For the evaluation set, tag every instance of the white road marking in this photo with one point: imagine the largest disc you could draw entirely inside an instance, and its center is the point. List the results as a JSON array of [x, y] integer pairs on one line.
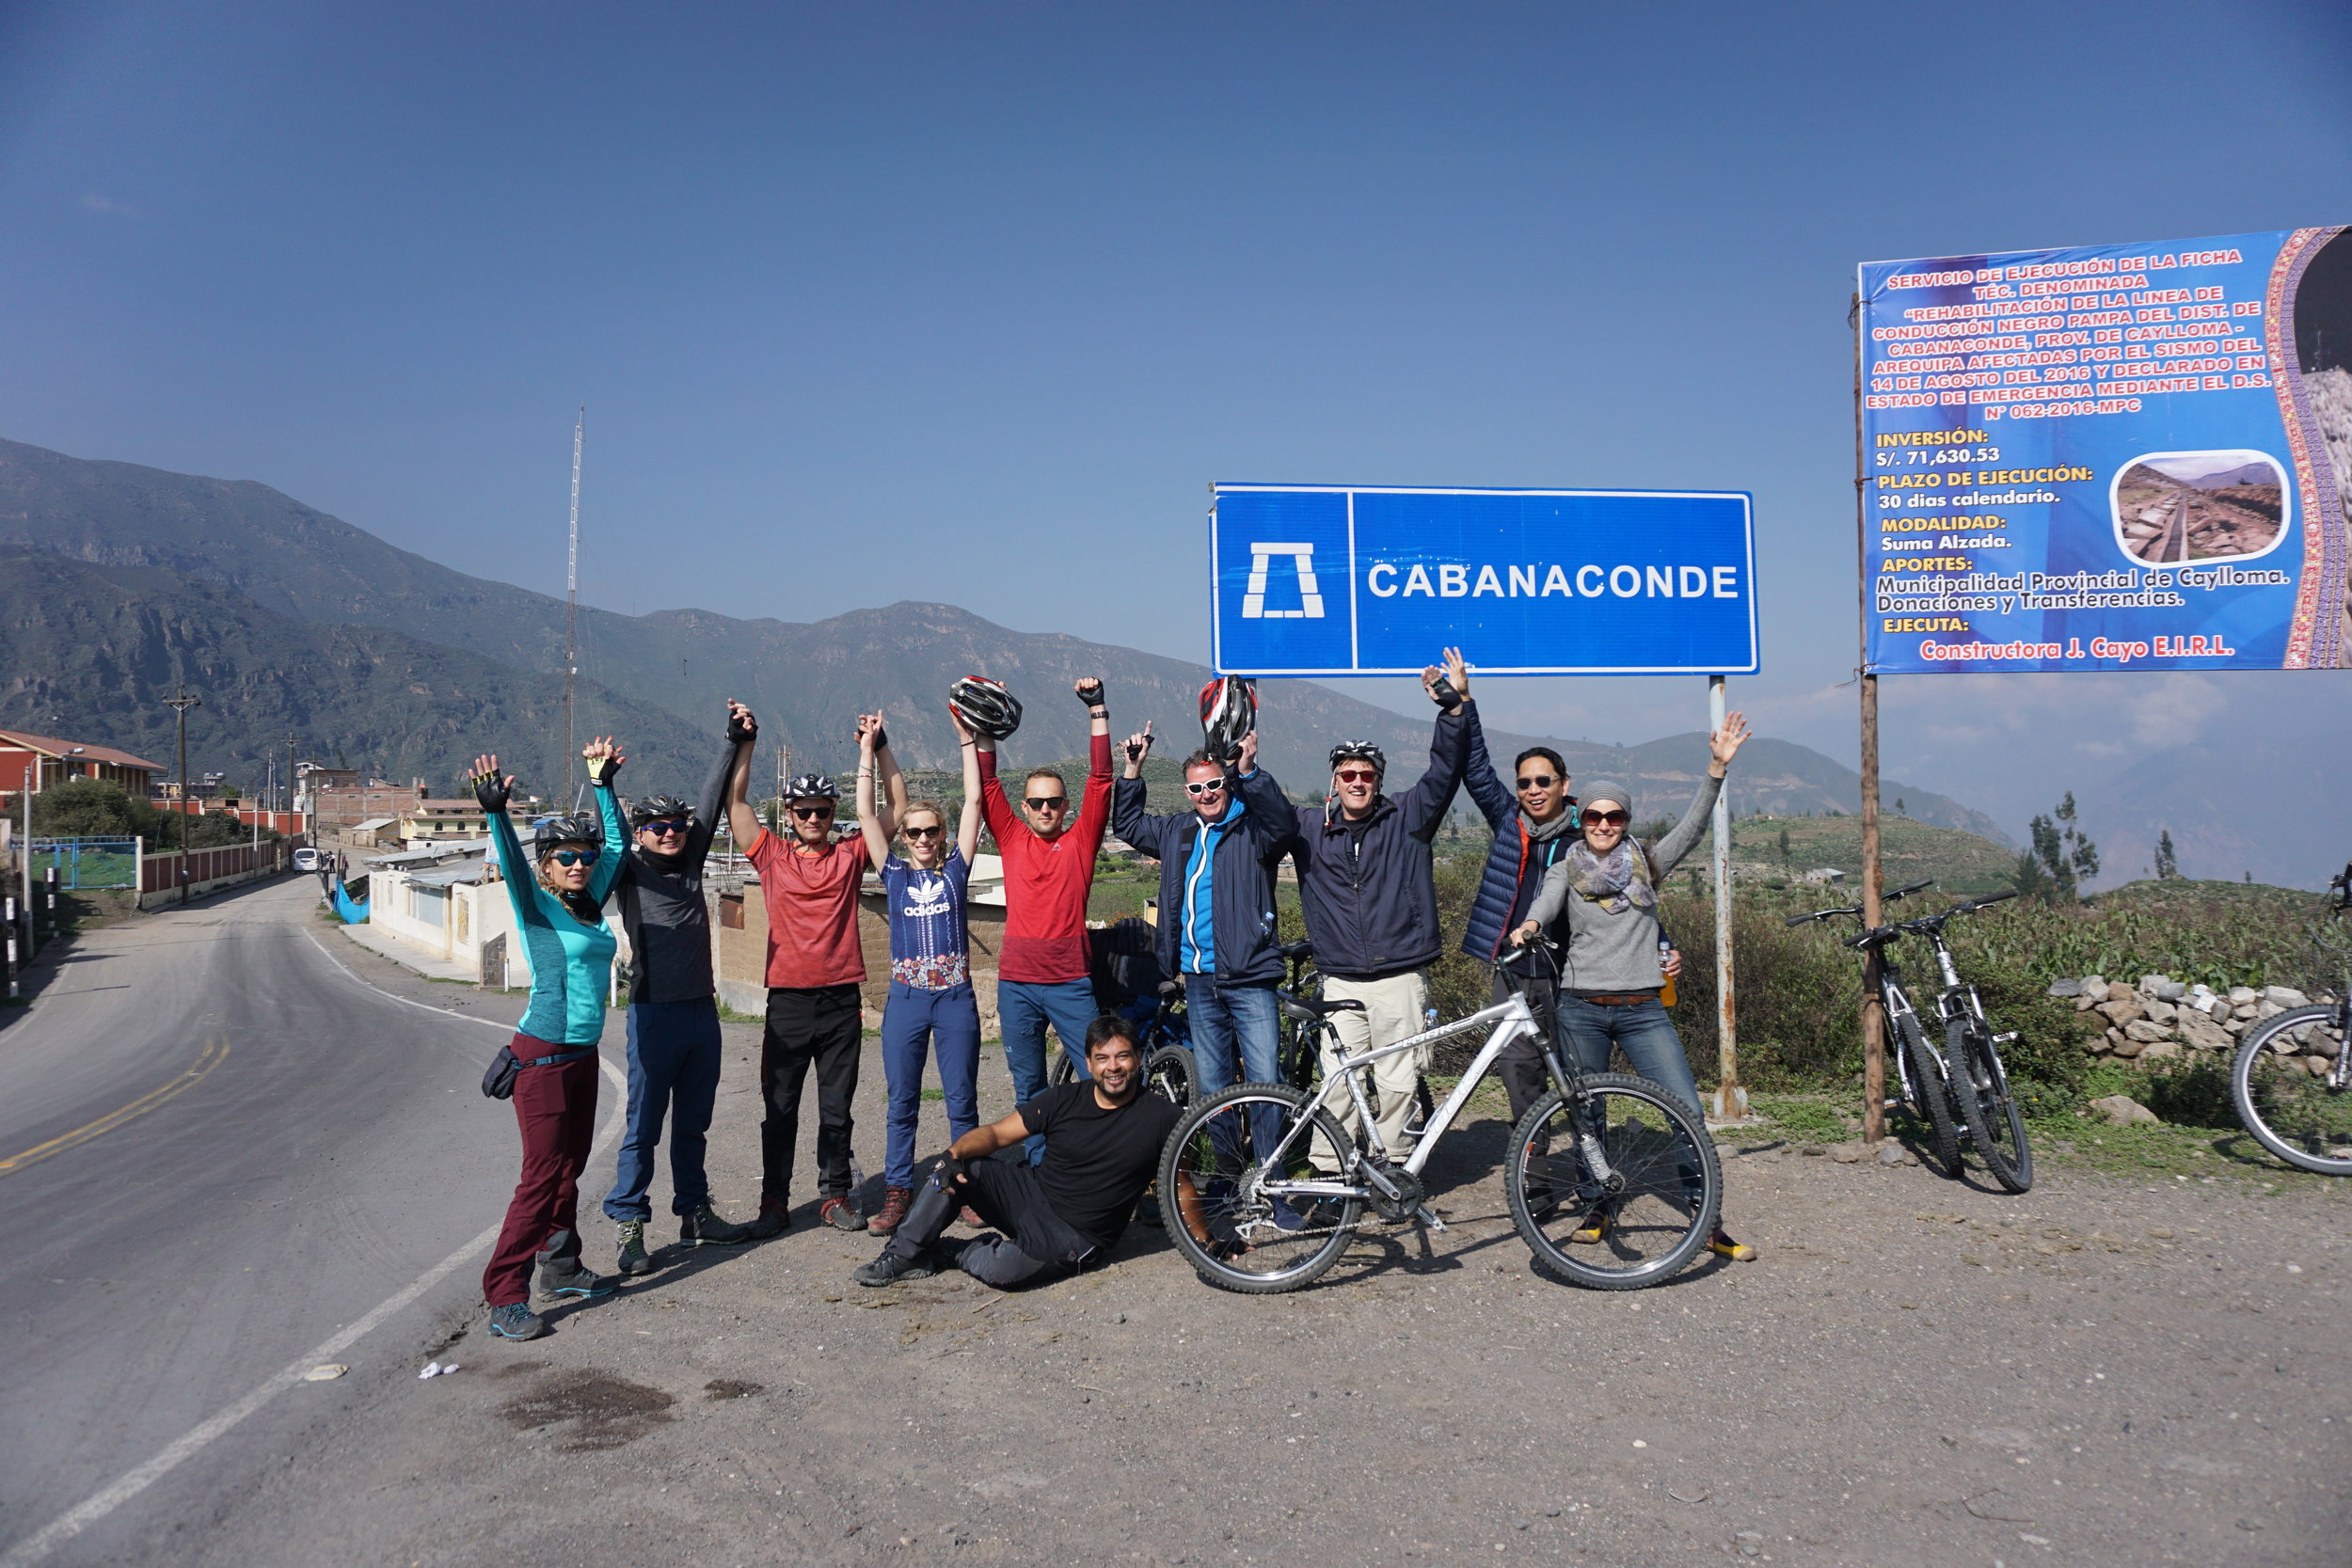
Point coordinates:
[[36, 1547]]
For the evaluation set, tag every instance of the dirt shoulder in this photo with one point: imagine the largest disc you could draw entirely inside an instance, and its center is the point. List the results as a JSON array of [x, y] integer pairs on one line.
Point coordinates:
[[1913, 1372]]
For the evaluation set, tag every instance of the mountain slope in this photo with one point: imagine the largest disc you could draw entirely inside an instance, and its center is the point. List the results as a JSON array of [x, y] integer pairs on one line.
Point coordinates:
[[300, 566], [89, 651]]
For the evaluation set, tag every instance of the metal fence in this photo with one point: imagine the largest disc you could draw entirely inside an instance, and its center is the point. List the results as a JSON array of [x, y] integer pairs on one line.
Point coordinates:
[[87, 863]]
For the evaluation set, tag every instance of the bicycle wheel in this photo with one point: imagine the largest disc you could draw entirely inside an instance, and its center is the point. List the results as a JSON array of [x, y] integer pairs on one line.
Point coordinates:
[[1980, 1087], [1930, 1094], [1290, 1240], [1167, 1072], [1063, 1070], [1620, 1155], [2304, 1117]]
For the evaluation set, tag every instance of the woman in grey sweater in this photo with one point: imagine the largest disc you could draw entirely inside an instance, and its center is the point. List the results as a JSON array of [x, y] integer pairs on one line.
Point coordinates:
[[1607, 886]]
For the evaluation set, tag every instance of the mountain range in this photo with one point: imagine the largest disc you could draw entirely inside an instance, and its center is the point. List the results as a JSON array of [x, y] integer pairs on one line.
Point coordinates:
[[120, 582]]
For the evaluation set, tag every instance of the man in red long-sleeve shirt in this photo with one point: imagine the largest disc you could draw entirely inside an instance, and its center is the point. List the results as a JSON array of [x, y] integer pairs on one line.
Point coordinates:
[[1049, 870]]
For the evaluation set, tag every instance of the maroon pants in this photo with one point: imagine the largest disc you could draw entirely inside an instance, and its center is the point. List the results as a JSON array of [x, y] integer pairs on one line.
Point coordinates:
[[556, 1108]]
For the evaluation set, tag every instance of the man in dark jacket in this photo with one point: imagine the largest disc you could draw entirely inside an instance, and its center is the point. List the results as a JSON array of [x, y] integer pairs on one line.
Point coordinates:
[[1216, 903], [1370, 896], [673, 1015]]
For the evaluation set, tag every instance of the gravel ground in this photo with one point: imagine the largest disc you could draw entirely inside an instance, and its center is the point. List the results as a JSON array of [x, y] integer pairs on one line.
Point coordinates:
[[1915, 1371]]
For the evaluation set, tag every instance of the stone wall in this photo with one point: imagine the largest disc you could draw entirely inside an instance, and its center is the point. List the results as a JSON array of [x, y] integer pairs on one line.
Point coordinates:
[[2160, 1018]]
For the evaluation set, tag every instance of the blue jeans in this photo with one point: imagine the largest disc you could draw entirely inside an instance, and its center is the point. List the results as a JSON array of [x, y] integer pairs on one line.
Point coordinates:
[[1231, 1020], [1643, 1030], [912, 1022], [673, 1065], [1024, 1008]]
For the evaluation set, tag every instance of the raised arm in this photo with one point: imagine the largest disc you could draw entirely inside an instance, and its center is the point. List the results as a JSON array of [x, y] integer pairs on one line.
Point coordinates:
[[713, 802], [1094, 810], [491, 790], [1424, 806], [875, 825], [741, 820], [994, 809], [1493, 798], [604, 760], [968, 827], [1722, 746]]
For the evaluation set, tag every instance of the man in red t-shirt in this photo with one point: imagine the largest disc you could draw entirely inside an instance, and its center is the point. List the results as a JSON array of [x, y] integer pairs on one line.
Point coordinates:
[[1049, 870], [815, 966]]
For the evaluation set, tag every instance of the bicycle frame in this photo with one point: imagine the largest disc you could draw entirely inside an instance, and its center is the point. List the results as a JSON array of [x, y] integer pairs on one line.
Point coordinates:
[[1512, 1020]]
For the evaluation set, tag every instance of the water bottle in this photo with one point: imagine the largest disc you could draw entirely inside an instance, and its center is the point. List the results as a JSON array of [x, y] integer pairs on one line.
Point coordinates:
[[1666, 991]]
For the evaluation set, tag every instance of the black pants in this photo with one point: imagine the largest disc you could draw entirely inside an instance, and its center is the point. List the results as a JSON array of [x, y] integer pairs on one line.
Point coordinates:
[[1004, 1191], [1525, 1078], [819, 1024]]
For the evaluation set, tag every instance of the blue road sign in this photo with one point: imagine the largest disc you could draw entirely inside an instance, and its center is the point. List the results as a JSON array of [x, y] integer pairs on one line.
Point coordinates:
[[1335, 580]]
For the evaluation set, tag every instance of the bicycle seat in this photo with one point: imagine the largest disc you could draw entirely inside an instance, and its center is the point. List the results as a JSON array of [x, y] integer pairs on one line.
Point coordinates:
[[1303, 1009], [1297, 952], [1172, 988]]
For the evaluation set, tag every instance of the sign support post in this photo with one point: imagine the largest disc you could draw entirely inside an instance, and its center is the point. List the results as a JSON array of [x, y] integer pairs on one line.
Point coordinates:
[[1873, 1015], [1731, 1099]]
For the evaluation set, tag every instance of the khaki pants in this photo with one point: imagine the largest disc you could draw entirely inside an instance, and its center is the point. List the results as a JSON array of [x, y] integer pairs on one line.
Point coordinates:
[[1394, 1009]]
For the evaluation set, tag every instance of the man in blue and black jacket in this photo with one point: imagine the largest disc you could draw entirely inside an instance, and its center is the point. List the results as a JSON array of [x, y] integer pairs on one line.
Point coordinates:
[[1217, 925], [1368, 889]]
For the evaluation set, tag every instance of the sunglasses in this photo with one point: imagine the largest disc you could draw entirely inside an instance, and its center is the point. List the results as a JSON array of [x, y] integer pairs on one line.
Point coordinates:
[[812, 813], [1047, 802], [1208, 787], [927, 832], [576, 857], [1607, 818], [667, 825], [1357, 775], [1538, 781]]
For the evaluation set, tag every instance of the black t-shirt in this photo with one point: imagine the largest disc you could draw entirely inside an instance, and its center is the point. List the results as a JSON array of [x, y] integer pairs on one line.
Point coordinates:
[[1097, 1162]]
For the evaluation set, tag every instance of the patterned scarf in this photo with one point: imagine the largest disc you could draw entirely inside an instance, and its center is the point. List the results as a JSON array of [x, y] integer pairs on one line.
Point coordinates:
[[1617, 882]]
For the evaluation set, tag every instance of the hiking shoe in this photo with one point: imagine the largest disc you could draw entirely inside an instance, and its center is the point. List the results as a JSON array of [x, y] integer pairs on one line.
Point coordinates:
[[841, 1214], [890, 1268], [895, 1201], [1148, 1209], [517, 1321], [775, 1218], [634, 1259], [560, 1278], [704, 1227], [1593, 1229], [1722, 1245]]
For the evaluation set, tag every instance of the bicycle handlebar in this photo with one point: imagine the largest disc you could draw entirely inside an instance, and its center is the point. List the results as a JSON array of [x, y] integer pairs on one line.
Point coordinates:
[[1856, 910]]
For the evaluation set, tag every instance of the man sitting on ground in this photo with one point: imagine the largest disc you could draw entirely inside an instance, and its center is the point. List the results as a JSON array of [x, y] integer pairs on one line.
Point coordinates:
[[1102, 1136]]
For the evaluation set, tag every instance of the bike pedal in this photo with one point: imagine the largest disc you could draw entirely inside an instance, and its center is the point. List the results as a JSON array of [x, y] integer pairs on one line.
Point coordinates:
[[2004, 1040]]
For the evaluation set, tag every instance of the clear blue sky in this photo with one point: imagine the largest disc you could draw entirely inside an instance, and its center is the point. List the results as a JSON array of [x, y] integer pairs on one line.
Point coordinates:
[[972, 302]]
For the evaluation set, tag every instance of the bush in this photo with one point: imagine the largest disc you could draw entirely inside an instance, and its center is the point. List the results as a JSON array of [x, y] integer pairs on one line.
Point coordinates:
[[2191, 1092], [2039, 1101], [89, 808]]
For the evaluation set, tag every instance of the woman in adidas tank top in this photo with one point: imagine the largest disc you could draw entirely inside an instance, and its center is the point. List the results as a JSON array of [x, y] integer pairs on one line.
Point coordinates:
[[931, 1004]]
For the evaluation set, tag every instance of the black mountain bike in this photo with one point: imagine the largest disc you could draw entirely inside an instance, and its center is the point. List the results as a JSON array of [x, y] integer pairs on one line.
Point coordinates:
[[1961, 1092], [2291, 1072], [1167, 1046]]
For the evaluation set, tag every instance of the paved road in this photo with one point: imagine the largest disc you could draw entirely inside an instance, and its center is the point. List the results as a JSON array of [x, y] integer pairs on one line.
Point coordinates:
[[217, 1147]]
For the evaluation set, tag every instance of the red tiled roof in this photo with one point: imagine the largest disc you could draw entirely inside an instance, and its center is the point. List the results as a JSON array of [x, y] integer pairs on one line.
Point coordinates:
[[56, 748]]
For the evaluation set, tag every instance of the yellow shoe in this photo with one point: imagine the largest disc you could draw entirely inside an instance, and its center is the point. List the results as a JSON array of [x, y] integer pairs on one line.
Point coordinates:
[[1591, 1232], [1722, 1245]]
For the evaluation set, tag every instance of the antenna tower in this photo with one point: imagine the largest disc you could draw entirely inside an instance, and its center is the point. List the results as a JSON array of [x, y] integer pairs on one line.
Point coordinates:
[[571, 601]]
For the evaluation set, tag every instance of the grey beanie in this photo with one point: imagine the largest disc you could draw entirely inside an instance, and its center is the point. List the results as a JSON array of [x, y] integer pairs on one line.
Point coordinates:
[[1606, 789]]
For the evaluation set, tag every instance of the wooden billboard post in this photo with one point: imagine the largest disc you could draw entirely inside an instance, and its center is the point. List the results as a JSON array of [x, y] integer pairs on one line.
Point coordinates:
[[1873, 1016]]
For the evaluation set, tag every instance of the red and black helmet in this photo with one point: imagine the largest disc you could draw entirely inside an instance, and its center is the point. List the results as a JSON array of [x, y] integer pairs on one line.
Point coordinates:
[[1229, 710]]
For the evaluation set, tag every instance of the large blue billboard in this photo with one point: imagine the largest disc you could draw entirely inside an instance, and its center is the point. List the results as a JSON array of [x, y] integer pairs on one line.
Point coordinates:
[[1348, 580], [2110, 457]]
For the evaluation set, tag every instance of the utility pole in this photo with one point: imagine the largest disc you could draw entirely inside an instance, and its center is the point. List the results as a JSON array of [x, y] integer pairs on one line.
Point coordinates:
[[1873, 1014], [292, 739], [180, 706], [571, 600], [1731, 1099]]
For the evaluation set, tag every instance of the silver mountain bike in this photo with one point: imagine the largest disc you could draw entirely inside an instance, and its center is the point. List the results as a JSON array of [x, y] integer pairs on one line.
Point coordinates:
[[1612, 1181]]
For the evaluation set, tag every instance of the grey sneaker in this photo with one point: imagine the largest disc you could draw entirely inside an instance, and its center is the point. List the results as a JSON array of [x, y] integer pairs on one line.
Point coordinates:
[[704, 1227], [517, 1321], [565, 1277], [634, 1259]]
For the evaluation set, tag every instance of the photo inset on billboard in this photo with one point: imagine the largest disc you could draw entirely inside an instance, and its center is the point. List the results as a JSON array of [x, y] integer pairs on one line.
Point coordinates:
[[2176, 507]]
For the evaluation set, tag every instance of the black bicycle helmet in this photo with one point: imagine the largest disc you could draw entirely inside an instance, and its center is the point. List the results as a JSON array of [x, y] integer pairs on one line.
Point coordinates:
[[658, 808], [812, 786], [1360, 751], [550, 831], [985, 706], [1229, 710]]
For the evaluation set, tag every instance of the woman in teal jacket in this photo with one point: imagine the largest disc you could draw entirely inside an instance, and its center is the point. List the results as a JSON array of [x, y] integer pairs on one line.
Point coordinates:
[[558, 892]]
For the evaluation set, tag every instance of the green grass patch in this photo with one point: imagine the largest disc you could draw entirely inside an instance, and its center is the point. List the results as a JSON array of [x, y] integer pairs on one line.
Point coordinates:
[[1807, 1118], [2170, 1155]]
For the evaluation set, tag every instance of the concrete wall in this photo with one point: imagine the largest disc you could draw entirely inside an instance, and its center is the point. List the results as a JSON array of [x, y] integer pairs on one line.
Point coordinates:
[[470, 917]]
